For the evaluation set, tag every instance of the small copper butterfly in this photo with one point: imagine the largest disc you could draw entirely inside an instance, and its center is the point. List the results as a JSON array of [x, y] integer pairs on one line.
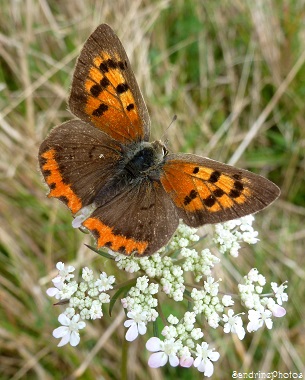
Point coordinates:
[[129, 192]]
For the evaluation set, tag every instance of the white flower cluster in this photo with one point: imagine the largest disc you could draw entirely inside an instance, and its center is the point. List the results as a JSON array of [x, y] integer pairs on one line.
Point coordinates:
[[165, 271], [228, 235], [200, 264], [127, 264], [178, 346], [183, 237], [162, 269], [141, 305], [206, 302], [261, 307], [84, 299]]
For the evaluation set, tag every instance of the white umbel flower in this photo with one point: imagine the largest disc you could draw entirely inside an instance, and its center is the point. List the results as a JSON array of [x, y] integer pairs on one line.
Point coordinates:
[[136, 324], [68, 332], [163, 352], [257, 318], [205, 357], [233, 324]]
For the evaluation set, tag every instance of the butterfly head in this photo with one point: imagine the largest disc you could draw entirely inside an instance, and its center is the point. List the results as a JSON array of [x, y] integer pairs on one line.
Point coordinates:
[[160, 149]]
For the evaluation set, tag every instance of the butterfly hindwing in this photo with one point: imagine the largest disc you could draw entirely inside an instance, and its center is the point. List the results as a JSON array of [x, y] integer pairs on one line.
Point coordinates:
[[140, 219], [206, 191], [104, 89], [76, 161]]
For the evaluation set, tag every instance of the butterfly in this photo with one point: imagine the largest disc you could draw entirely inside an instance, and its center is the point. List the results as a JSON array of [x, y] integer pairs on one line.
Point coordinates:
[[128, 192]]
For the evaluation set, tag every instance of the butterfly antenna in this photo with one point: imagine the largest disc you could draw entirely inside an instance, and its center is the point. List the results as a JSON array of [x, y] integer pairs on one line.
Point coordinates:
[[163, 136]]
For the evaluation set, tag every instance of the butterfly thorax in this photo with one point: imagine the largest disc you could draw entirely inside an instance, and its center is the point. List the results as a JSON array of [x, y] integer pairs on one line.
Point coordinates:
[[145, 159], [142, 162]]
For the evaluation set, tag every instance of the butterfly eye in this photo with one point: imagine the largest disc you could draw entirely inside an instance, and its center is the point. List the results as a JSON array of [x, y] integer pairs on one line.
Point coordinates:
[[164, 151]]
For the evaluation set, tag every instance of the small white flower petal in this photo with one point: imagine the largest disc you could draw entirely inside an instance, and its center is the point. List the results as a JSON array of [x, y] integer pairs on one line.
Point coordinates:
[[278, 311], [74, 338], [209, 368], [129, 322], [197, 361], [158, 359], [61, 331], [253, 326], [77, 221], [154, 344], [51, 292], [214, 356], [82, 214], [60, 266], [142, 328], [64, 320], [200, 364], [269, 323], [75, 318], [81, 325], [65, 339], [186, 362], [173, 360], [241, 333], [57, 280], [132, 333]]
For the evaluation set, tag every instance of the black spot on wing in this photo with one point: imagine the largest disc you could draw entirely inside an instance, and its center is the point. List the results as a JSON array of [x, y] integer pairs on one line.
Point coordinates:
[[102, 108], [214, 176], [209, 201], [192, 195], [130, 107], [218, 193], [122, 87], [238, 188]]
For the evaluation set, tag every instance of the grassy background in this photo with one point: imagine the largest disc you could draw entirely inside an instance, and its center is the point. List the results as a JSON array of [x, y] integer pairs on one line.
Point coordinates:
[[234, 73]]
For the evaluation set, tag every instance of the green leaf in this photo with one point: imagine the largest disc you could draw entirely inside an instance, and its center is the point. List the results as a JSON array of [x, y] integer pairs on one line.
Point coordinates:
[[101, 253], [124, 289]]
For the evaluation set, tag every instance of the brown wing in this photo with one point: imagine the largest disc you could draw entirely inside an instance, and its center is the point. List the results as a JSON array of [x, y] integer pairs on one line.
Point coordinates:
[[141, 220], [104, 90], [206, 191], [76, 161]]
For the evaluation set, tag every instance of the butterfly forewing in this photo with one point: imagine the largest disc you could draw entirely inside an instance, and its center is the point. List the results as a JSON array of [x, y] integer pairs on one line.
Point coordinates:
[[206, 191], [77, 160], [105, 92]]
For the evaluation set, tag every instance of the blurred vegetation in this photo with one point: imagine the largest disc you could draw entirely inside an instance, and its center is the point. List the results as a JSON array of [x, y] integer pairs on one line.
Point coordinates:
[[234, 73]]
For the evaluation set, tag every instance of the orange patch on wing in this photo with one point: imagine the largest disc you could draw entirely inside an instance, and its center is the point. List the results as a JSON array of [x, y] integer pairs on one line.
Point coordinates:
[[98, 60], [243, 196], [225, 183], [225, 201], [178, 184], [110, 102], [203, 174], [105, 236], [95, 74], [194, 191], [55, 181]]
